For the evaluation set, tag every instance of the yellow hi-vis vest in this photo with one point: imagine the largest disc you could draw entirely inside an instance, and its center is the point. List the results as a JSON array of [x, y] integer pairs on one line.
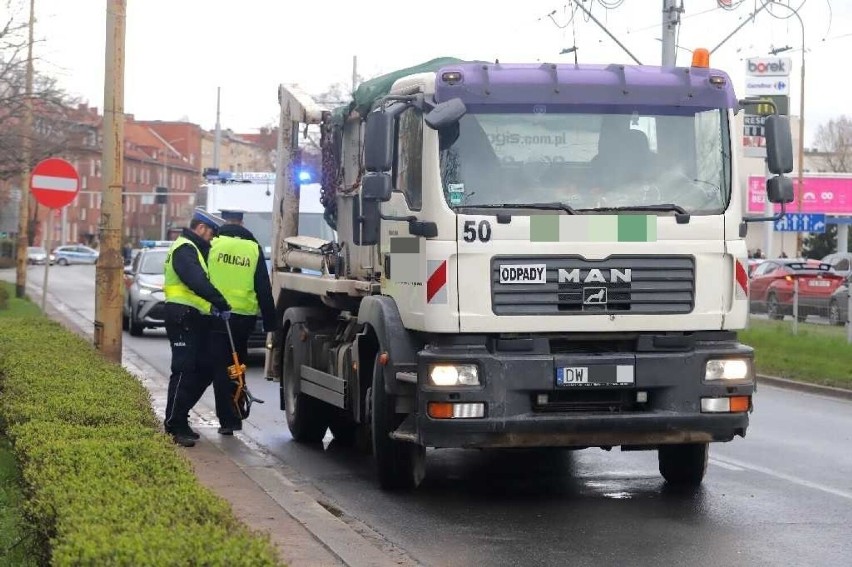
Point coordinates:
[[176, 290], [232, 263]]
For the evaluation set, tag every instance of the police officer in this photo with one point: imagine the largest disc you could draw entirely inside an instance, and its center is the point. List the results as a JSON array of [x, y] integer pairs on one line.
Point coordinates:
[[190, 300], [238, 269]]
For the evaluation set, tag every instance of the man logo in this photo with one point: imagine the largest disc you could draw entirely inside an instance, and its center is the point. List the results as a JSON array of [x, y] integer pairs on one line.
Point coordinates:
[[594, 296], [595, 276]]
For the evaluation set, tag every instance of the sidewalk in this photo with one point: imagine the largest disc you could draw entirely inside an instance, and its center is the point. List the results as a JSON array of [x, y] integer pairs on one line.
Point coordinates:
[[255, 483]]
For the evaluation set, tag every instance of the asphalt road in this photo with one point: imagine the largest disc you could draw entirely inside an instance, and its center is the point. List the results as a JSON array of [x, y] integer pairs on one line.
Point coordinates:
[[782, 496]]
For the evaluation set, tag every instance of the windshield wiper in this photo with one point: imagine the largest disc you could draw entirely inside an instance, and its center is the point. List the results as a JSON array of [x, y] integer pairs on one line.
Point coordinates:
[[555, 206], [681, 214]]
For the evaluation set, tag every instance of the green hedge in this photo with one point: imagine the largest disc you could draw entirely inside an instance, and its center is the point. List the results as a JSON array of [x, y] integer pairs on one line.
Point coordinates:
[[103, 485]]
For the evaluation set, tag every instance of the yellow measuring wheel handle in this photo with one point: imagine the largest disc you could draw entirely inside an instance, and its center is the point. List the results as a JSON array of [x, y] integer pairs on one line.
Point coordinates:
[[237, 370]]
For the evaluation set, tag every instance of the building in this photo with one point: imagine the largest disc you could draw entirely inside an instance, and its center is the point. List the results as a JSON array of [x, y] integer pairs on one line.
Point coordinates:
[[156, 154], [815, 165], [236, 153]]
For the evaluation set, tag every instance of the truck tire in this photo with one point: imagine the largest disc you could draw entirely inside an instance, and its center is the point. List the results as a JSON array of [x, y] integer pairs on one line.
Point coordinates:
[[400, 465], [683, 465], [307, 417]]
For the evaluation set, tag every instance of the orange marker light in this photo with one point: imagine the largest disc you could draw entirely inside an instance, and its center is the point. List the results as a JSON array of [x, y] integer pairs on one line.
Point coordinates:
[[740, 403], [384, 358], [440, 410], [701, 58]]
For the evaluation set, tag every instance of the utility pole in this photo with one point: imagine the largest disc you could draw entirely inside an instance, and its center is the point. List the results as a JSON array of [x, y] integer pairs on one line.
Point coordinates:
[[671, 20], [108, 274], [218, 137], [26, 138], [354, 72], [801, 141]]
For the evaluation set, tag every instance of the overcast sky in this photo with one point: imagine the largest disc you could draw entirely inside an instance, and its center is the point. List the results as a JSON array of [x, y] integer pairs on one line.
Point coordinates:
[[179, 51]]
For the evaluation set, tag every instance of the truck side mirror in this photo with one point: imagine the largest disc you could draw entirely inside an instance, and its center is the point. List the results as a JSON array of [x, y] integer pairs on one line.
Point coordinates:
[[779, 189], [376, 187], [378, 141], [366, 221], [445, 114], [779, 144]]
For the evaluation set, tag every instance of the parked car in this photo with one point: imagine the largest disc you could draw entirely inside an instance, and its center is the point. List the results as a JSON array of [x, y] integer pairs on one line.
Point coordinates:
[[75, 254], [773, 282], [841, 262], [144, 299], [37, 255], [753, 263], [838, 307]]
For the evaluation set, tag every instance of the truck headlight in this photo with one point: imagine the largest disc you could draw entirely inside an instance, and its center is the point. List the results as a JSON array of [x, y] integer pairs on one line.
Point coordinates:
[[727, 369], [454, 375]]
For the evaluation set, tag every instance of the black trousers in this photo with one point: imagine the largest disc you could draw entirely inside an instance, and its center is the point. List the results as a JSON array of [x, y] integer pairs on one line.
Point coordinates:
[[220, 357], [189, 334]]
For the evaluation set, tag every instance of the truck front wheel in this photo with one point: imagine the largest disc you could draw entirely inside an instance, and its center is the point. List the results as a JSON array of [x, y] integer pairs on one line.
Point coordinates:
[[400, 465], [307, 417], [683, 465]]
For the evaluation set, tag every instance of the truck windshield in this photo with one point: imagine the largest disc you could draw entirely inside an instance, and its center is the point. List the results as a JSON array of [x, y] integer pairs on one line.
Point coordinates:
[[590, 161]]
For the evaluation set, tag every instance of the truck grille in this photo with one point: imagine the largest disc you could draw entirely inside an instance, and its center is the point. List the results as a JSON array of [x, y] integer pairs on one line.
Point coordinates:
[[621, 285]]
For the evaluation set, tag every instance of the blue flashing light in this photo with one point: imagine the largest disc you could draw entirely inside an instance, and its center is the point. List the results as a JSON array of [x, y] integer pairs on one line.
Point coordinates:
[[305, 176]]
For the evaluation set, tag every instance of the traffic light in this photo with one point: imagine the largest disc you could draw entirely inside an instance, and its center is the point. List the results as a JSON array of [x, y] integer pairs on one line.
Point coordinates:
[[162, 197]]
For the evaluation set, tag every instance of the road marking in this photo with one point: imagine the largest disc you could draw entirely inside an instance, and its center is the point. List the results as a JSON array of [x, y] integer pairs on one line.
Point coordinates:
[[785, 476], [718, 463]]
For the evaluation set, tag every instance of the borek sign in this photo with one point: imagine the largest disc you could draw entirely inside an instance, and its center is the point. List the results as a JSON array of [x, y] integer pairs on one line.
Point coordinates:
[[768, 66]]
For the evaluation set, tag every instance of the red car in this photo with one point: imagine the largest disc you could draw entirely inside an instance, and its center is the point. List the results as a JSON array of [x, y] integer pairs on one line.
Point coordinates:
[[772, 284]]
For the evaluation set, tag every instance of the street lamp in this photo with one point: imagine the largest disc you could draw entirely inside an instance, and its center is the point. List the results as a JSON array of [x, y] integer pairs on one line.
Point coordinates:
[[164, 201]]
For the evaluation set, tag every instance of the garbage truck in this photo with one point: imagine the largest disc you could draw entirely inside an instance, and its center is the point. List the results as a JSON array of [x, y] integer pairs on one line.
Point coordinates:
[[527, 255]]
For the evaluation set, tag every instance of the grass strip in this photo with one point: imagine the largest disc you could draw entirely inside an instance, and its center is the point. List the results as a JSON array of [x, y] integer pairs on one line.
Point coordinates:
[[818, 354]]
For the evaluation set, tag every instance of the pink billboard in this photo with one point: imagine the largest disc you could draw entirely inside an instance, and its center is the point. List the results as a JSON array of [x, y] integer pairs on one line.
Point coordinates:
[[830, 195]]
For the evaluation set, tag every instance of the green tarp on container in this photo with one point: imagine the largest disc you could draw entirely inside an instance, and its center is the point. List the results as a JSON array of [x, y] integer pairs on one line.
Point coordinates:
[[369, 91]]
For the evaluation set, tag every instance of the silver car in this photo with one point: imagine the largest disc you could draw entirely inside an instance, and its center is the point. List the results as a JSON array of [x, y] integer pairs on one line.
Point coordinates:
[[75, 254], [144, 299], [37, 255]]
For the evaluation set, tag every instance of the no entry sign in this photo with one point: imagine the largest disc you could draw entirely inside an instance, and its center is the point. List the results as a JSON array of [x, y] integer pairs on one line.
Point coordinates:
[[55, 183]]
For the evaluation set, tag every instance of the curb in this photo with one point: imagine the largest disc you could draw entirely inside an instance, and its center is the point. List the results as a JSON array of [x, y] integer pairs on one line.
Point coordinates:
[[324, 539], [831, 391]]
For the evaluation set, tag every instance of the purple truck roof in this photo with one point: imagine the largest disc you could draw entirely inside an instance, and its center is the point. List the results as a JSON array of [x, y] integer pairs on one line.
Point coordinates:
[[499, 83]]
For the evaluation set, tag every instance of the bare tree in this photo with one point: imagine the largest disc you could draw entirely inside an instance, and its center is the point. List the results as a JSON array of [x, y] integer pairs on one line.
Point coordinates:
[[835, 139], [53, 126]]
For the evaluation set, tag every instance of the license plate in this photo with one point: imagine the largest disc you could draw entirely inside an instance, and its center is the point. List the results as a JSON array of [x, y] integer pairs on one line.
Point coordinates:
[[596, 375], [819, 283]]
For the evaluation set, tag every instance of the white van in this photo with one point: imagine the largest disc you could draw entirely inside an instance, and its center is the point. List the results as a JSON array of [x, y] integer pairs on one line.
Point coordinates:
[[252, 192]]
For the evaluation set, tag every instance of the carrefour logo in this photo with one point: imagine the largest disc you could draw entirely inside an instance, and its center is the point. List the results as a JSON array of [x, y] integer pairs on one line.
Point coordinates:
[[768, 66]]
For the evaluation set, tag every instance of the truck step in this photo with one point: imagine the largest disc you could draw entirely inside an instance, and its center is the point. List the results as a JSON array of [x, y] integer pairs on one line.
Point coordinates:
[[407, 430], [410, 377]]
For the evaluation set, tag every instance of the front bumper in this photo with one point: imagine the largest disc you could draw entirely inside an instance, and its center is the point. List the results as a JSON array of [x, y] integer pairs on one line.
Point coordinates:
[[525, 408], [151, 309]]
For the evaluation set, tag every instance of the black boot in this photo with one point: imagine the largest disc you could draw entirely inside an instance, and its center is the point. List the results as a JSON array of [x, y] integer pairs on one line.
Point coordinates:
[[184, 431], [183, 439]]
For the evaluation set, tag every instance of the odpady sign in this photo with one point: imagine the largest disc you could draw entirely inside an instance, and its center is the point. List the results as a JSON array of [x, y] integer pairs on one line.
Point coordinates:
[[523, 274]]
